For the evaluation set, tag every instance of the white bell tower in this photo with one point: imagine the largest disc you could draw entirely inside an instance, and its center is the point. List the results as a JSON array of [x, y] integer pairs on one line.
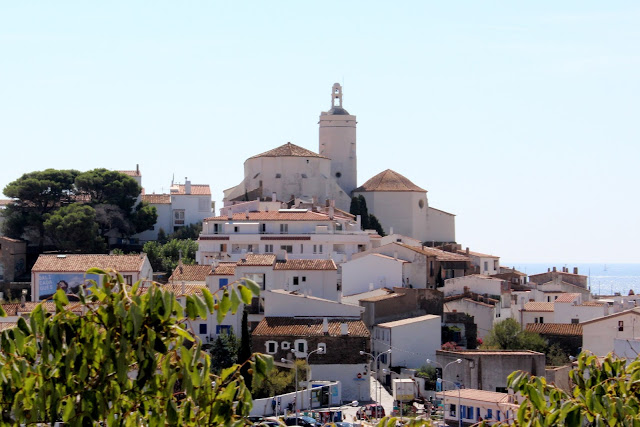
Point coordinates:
[[338, 142]]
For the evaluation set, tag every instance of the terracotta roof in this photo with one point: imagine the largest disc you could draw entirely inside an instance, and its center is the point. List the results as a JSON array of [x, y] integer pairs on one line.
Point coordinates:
[[305, 264], [389, 180], [438, 253], [225, 269], [190, 273], [131, 173], [13, 309], [591, 304], [479, 395], [289, 150], [9, 239], [408, 321], [5, 202], [157, 199], [478, 254], [538, 306], [7, 325], [81, 263], [381, 297], [189, 289], [307, 327], [273, 216], [567, 297], [570, 329], [196, 190], [257, 260]]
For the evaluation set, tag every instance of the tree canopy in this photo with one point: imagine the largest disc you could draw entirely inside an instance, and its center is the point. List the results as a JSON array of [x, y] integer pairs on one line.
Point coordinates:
[[508, 335], [166, 257], [367, 221], [122, 356], [74, 228]]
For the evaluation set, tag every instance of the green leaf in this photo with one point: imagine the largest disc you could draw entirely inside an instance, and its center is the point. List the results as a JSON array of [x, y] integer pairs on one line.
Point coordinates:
[[253, 286], [208, 298], [2, 312], [192, 310], [60, 299], [201, 306], [235, 301], [245, 294], [184, 334]]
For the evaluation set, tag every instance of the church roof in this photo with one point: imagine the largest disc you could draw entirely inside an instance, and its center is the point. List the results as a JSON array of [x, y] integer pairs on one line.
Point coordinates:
[[389, 181], [289, 150], [338, 111]]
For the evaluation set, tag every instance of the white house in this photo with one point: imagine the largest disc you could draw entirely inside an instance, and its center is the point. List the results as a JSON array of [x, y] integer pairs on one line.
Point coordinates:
[[484, 314], [301, 233], [474, 405], [477, 283], [373, 271], [484, 263], [537, 312], [599, 334], [411, 341], [68, 272]]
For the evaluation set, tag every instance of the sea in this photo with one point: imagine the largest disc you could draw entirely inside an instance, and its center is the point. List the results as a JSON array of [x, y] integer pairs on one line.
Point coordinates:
[[604, 279]]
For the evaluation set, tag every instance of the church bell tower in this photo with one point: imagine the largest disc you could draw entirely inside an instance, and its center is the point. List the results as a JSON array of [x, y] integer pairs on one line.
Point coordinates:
[[338, 141]]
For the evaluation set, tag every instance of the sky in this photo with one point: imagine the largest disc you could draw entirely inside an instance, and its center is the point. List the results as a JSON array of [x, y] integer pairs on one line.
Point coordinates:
[[521, 119]]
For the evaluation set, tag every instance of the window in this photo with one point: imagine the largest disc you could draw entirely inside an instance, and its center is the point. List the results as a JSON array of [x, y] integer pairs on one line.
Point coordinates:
[[128, 279], [421, 203], [263, 228], [463, 411], [223, 247], [268, 249], [383, 358], [286, 345], [278, 175], [235, 229], [216, 228], [287, 248], [338, 174], [535, 320], [301, 248], [304, 175], [323, 346], [575, 321], [296, 281], [203, 329], [452, 410], [223, 329], [249, 248], [620, 325], [304, 279], [300, 346], [258, 278], [284, 228], [223, 282], [486, 266], [541, 319], [272, 347], [319, 248], [556, 297], [489, 414], [495, 264]]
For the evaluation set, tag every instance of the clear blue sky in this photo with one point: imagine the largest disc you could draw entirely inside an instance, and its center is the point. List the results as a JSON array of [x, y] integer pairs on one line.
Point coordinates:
[[520, 119]]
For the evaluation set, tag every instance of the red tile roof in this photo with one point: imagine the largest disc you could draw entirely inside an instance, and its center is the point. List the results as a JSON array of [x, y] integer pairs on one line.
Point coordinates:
[[225, 269], [131, 173], [569, 329], [389, 180], [289, 150], [481, 396], [305, 264], [567, 297], [157, 199], [307, 327], [189, 289], [478, 254], [213, 238], [81, 263], [13, 309], [439, 254], [539, 306], [257, 260], [196, 190], [272, 216], [592, 304], [190, 273], [7, 325]]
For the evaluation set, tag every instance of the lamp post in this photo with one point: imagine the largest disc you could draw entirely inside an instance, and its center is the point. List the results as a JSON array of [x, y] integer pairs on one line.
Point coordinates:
[[295, 399], [319, 350], [458, 361], [375, 362]]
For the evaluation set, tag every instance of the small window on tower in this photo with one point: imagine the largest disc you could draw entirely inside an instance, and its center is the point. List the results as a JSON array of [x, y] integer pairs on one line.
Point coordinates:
[[278, 175], [338, 174]]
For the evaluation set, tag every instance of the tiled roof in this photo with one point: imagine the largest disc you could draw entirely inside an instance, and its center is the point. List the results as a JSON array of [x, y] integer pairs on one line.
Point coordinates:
[[382, 297], [478, 254], [7, 325], [591, 304], [196, 190], [131, 173], [389, 180], [538, 306], [5, 202], [306, 264], [408, 321], [13, 309], [189, 289], [390, 257], [289, 150], [438, 253], [567, 297], [157, 199], [257, 260], [190, 273], [307, 327], [213, 238], [570, 329], [479, 395], [273, 216], [81, 263], [225, 269]]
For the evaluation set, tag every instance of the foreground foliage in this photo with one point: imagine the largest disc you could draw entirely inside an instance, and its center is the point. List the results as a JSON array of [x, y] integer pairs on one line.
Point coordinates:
[[122, 357], [605, 393]]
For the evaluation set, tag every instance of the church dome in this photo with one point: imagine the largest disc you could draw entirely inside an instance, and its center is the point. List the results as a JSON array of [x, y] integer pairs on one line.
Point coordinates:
[[338, 111], [288, 150], [389, 181]]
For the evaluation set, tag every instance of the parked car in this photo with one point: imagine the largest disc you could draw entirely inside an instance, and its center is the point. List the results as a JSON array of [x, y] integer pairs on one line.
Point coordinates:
[[301, 421], [369, 411]]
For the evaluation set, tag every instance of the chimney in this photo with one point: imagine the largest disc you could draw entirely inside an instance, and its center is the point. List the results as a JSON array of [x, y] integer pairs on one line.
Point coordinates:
[[575, 270], [344, 329], [137, 169], [281, 255], [325, 326], [326, 203], [390, 231], [554, 270], [314, 200], [331, 212], [370, 287], [246, 214], [274, 196], [187, 186], [467, 250], [229, 214]]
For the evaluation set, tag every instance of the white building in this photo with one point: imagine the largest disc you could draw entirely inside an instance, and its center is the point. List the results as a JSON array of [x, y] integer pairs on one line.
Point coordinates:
[[402, 206], [184, 205], [537, 312], [476, 405], [484, 263], [301, 233], [373, 271], [411, 341], [68, 272], [485, 315], [477, 283], [599, 334]]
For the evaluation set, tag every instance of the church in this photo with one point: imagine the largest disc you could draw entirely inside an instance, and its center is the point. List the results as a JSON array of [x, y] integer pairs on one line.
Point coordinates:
[[292, 173]]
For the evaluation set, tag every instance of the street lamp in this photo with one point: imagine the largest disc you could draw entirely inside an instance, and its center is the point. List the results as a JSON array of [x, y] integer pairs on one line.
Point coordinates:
[[295, 399], [375, 362], [458, 361], [319, 350]]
